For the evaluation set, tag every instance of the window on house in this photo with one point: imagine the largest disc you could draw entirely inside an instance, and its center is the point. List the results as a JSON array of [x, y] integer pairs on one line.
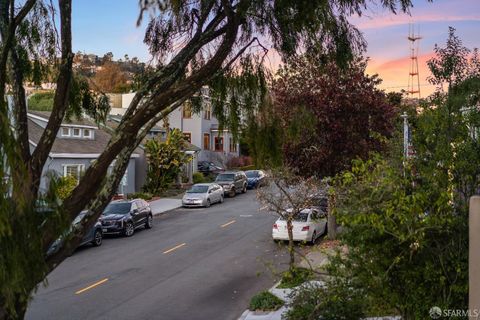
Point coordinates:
[[208, 112], [218, 143], [77, 132], [87, 133], [206, 141], [233, 145], [65, 132], [73, 170], [188, 136], [187, 111]]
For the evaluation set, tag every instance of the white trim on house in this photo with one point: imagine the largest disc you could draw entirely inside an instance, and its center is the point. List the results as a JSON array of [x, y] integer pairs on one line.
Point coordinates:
[[63, 125], [83, 155], [65, 135]]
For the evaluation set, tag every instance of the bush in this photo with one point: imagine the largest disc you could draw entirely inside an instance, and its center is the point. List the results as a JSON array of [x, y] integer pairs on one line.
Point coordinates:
[[265, 301], [198, 177], [141, 195], [295, 277], [66, 186], [237, 162], [41, 101], [336, 301]]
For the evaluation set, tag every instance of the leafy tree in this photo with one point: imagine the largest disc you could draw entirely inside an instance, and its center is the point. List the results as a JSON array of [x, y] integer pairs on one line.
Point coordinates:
[[286, 196], [219, 49], [111, 78], [165, 161], [406, 223], [330, 116]]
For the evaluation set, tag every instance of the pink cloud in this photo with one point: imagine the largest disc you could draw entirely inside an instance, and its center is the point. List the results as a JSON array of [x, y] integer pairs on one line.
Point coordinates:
[[395, 73]]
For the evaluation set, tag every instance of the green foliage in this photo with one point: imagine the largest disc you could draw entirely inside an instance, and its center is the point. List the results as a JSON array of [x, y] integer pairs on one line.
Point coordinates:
[[294, 277], [337, 300], [265, 301], [66, 186], [198, 177], [142, 195], [41, 101], [165, 160]]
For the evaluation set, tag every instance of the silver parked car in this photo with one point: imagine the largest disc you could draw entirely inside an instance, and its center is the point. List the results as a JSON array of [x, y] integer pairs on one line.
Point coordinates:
[[203, 195]]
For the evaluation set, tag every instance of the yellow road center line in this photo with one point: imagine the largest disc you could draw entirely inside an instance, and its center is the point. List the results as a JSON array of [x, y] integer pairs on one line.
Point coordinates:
[[174, 248], [92, 286], [227, 224]]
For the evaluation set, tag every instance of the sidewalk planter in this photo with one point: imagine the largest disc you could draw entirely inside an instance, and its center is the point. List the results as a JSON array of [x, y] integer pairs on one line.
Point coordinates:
[[282, 294]]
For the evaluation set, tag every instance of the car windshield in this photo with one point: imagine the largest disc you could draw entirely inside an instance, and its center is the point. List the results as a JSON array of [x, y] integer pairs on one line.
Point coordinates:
[[198, 189], [117, 208], [252, 174], [225, 177]]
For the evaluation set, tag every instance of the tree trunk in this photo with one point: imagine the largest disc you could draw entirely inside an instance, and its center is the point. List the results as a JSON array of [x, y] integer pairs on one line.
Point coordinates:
[[331, 221], [290, 244]]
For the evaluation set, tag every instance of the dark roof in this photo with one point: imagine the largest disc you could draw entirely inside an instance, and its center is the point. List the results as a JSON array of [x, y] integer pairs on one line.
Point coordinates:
[[71, 145]]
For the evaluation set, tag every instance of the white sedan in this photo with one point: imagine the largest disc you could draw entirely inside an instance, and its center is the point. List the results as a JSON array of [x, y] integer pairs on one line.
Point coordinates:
[[307, 226]]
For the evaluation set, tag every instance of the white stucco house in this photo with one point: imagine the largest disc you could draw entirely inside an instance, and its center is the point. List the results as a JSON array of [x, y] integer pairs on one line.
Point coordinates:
[[201, 130]]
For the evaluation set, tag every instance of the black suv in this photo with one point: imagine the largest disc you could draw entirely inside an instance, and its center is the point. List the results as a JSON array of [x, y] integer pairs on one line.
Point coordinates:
[[124, 216]]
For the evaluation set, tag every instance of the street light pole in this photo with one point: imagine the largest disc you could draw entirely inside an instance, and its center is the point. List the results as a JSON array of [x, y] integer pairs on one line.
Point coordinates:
[[405, 134]]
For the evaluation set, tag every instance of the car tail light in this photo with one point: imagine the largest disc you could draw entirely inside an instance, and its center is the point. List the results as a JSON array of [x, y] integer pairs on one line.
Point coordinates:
[[275, 226], [306, 228]]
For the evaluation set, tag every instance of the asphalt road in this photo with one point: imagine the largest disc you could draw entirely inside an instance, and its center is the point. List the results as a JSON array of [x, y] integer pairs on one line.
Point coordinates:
[[193, 264]]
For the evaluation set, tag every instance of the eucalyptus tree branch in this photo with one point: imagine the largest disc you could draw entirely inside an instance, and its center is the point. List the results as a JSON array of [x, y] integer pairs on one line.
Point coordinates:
[[23, 12], [103, 198], [62, 94]]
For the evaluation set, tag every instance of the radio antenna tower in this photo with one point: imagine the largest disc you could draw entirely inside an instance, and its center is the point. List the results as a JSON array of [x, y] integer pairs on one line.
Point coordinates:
[[413, 76]]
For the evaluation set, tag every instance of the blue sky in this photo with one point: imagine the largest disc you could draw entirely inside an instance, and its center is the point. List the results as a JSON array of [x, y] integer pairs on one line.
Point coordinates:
[[100, 26]]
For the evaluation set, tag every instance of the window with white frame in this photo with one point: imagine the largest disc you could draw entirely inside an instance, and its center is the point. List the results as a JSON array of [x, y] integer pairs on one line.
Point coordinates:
[[87, 133], [73, 170], [65, 132], [76, 132]]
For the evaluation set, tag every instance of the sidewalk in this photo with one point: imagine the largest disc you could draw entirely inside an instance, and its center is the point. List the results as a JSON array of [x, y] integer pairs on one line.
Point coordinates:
[[165, 204]]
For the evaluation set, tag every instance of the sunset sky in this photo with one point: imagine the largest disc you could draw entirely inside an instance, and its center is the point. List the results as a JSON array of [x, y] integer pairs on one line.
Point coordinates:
[[111, 27]]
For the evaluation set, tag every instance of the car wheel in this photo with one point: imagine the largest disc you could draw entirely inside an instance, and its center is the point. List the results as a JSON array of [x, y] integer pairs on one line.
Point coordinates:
[[314, 237], [221, 198], [129, 229], [244, 188], [208, 203], [149, 223], [233, 193], [97, 238]]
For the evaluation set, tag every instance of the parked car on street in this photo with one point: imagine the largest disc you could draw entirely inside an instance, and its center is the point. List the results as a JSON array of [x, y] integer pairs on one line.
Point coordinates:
[[207, 167], [233, 182], [307, 226], [94, 236], [124, 216], [203, 195], [255, 178]]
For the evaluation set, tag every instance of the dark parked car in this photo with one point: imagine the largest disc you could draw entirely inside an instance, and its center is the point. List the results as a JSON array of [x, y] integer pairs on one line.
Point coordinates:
[[207, 167], [94, 236], [232, 182], [255, 178], [124, 216]]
